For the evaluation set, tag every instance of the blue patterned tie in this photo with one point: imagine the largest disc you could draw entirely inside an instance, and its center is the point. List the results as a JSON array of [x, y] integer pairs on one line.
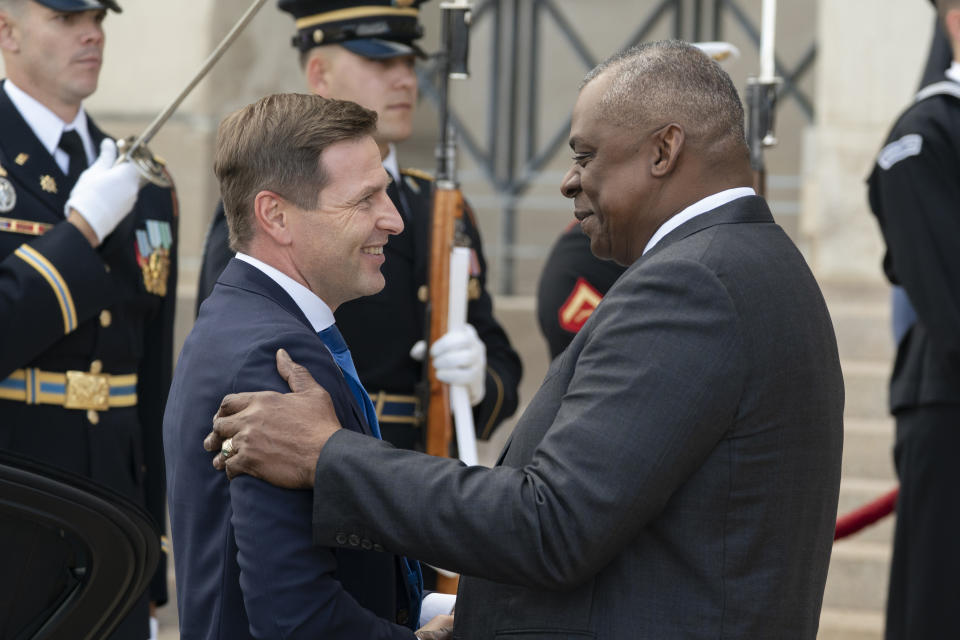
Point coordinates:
[[332, 337]]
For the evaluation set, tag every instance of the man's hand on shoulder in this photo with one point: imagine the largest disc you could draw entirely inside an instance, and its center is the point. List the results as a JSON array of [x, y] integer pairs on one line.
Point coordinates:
[[276, 437], [440, 628]]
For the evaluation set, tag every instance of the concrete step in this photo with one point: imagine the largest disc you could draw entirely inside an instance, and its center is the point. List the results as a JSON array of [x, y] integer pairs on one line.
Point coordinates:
[[850, 624], [863, 330], [868, 449], [866, 383], [858, 575]]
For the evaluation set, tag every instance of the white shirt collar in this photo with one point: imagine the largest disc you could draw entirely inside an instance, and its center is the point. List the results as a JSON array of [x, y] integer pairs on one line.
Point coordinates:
[[701, 206], [954, 71], [47, 126], [391, 164], [316, 310]]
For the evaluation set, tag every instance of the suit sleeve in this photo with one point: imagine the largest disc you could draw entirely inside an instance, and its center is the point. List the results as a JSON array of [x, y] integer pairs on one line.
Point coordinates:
[[504, 369], [155, 375], [919, 196], [651, 395], [288, 586], [48, 287]]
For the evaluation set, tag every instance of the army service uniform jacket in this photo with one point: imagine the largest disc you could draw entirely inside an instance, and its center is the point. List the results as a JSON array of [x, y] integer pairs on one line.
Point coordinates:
[[104, 314]]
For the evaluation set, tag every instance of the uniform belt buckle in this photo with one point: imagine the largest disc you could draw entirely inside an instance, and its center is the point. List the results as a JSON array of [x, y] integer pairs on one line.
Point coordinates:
[[87, 391]]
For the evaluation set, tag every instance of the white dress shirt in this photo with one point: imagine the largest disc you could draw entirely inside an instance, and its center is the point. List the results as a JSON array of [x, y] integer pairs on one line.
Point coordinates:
[[316, 310], [48, 127], [697, 208]]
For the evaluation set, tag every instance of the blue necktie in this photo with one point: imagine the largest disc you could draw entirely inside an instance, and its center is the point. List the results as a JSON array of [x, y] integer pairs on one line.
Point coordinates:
[[332, 337]]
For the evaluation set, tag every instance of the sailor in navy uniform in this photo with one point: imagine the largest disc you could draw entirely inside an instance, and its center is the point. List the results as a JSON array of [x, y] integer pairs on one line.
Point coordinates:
[[914, 191], [377, 72], [87, 294]]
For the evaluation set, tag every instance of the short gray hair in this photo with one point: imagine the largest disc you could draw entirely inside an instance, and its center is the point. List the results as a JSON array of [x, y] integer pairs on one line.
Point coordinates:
[[672, 81]]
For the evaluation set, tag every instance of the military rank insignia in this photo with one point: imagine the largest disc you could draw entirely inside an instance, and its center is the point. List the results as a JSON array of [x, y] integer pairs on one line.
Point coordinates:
[[579, 305], [48, 184], [153, 255]]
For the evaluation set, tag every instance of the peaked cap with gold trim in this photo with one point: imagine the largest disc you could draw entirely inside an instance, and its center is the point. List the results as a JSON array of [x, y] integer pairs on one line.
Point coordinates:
[[375, 29], [71, 6]]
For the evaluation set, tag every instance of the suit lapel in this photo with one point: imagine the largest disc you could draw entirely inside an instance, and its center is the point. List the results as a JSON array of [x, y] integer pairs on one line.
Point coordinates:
[[247, 277], [29, 164], [750, 209]]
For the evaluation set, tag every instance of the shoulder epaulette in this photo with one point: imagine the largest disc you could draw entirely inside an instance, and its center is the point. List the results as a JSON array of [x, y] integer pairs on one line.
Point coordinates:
[[417, 173], [943, 88]]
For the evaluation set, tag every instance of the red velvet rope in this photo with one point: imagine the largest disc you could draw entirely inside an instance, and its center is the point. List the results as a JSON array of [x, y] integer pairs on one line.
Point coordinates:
[[866, 515]]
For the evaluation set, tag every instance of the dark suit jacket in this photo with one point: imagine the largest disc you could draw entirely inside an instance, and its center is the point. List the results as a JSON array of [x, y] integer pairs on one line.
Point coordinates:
[[676, 475], [246, 565]]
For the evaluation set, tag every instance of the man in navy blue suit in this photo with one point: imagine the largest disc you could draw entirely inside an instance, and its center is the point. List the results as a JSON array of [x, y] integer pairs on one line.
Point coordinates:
[[307, 207]]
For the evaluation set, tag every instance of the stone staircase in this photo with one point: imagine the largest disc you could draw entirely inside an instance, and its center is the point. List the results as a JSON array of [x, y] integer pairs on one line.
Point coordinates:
[[855, 597]]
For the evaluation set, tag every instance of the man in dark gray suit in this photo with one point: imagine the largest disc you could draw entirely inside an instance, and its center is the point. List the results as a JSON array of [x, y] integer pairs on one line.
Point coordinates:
[[677, 473]]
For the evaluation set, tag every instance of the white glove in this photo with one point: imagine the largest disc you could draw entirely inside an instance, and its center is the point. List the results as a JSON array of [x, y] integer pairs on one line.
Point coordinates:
[[105, 194], [460, 357]]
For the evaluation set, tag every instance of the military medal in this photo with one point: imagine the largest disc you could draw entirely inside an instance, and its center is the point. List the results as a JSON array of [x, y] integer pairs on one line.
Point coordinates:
[[48, 184], [8, 196], [153, 255]]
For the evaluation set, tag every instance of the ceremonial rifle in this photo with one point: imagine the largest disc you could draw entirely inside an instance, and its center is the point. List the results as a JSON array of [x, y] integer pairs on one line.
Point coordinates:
[[762, 99], [446, 224], [446, 217]]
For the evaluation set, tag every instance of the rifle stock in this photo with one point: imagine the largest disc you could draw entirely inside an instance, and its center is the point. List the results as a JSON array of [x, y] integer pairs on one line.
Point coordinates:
[[447, 209]]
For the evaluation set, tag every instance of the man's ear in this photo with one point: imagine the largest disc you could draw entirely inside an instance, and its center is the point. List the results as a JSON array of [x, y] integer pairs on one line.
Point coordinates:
[[316, 70], [668, 143], [952, 22], [9, 34], [272, 216]]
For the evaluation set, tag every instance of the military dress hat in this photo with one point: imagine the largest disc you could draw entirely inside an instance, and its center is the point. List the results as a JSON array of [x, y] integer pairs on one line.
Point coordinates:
[[80, 5], [369, 28]]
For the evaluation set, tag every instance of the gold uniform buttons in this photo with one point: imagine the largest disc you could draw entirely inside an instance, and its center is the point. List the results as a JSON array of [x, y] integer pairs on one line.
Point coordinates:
[[93, 416], [105, 318], [96, 366]]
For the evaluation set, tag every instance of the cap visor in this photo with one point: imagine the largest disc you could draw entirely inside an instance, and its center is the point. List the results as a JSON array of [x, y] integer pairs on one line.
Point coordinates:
[[71, 6], [378, 49]]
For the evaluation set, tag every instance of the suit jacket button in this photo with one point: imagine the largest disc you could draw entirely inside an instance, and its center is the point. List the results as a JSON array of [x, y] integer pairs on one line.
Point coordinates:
[[402, 616], [366, 544], [354, 540], [341, 538]]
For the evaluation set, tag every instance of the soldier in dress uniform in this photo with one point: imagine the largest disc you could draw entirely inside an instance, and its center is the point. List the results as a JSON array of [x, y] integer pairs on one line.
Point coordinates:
[[572, 283], [914, 191], [87, 289], [365, 52]]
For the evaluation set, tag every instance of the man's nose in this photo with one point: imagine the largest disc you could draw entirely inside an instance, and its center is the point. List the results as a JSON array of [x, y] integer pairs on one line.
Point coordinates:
[[390, 219], [570, 185]]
